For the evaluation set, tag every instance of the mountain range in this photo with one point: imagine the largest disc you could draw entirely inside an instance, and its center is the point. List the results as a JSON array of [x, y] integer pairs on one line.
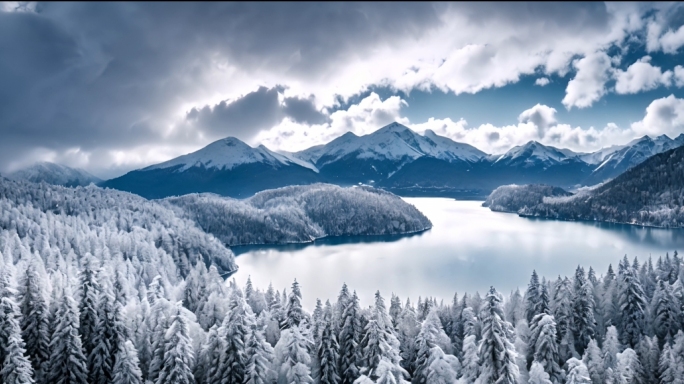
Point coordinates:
[[55, 174], [394, 158]]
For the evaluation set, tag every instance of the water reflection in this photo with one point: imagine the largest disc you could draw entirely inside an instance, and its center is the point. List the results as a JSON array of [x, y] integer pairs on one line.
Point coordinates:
[[469, 248]]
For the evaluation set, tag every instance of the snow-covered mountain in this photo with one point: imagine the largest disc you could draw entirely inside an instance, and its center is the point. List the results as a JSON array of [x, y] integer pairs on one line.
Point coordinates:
[[533, 154], [393, 142], [632, 154], [55, 174], [227, 167], [394, 157], [226, 154]]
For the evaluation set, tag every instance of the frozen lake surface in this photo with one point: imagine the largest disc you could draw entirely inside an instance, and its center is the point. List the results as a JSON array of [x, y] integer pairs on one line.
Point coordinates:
[[468, 249]]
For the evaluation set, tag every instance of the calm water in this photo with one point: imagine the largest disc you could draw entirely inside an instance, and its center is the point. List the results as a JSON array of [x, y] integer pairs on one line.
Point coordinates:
[[469, 249]]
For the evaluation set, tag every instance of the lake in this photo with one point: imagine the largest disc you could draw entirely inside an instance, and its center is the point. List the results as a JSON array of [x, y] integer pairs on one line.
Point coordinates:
[[469, 248]]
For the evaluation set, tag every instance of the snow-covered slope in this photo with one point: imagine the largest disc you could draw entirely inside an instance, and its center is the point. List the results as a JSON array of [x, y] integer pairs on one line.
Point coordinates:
[[532, 154], [228, 153], [394, 142], [632, 154], [55, 174]]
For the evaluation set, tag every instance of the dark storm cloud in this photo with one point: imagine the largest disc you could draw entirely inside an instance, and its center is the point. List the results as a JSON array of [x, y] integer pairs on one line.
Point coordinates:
[[102, 75], [253, 112]]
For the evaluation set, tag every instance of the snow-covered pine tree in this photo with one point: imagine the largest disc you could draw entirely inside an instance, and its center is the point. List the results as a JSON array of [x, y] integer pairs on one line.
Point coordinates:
[[89, 289], [470, 367], [109, 334], [178, 352], [15, 367], [667, 366], [350, 334], [67, 361], [538, 375], [395, 309], [532, 297], [514, 307], [577, 372], [317, 322], [293, 310], [542, 310], [235, 329], [328, 352], [665, 310], [594, 362], [259, 355], [677, 357], [632, 302], [497, 353], [562, 311], [546, 349], [407, 330], [610, 349], [629, 368], [584, 323], [441, 369], [296, 359], [209, 359], [649, 353], [126, 369], [35, 319]]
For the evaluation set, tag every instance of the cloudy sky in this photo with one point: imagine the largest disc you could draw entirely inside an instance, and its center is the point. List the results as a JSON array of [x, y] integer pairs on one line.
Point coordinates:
[[114, 87]]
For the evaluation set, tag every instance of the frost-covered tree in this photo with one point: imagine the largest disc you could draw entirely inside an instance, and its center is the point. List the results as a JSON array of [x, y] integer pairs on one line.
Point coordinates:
[[328, 353], [259, 355], [665, 310], [538, 375], [632, 304], [109, 334], [629, 368], [582, 311], [431, 335], [471, 361], [562, 311], [208, 364], [350, 335], [293, 310], [292, 354], [514, 309], [235, 329], [67, 361], [442, 368], [545, 348], [395, 309], [15, 367], [594, 362], [126, 369], [178, 352], [35, 318], [649, 353], [577, 372], [532, 297], [611, 347], [89, 290], [497, 353]]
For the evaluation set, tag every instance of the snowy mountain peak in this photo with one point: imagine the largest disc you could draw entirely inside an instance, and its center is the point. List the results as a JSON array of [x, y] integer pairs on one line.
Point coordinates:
[[55, 174], [533, 152], [226, 154]]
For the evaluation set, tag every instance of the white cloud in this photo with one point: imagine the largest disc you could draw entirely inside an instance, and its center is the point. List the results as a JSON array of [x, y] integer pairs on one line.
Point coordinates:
[[542, 81], [370, 114], [663, 116], [679, 76], [589, 84], [641, 76]]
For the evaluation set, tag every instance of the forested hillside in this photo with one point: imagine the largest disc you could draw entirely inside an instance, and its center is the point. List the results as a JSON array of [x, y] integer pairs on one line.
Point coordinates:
[[512, 198], [73, 318], [652, 193], [301, 214]]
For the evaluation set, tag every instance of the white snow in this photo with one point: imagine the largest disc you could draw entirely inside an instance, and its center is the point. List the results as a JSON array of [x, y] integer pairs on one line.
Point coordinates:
[[533, 152], [393, 142], [229, 153]]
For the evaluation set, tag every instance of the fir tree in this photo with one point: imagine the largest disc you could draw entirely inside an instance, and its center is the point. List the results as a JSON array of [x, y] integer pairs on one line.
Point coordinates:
[[108, 337], [67, 361], [350, 354], [178, 352], [545, 348], [594, 361], [295, 367], [441, 369], [235, 330], [89, 292], [665, 311], [611, 347], [532, 297], [328, 353], [470, 364], [126, 368], [497, 354], [15, 367], [577, 372], [629, 368], [632, 305], [293, 310], [35, 320], [208, 365], [259, 358], [667, 368], [583, 311], [538, 375]]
